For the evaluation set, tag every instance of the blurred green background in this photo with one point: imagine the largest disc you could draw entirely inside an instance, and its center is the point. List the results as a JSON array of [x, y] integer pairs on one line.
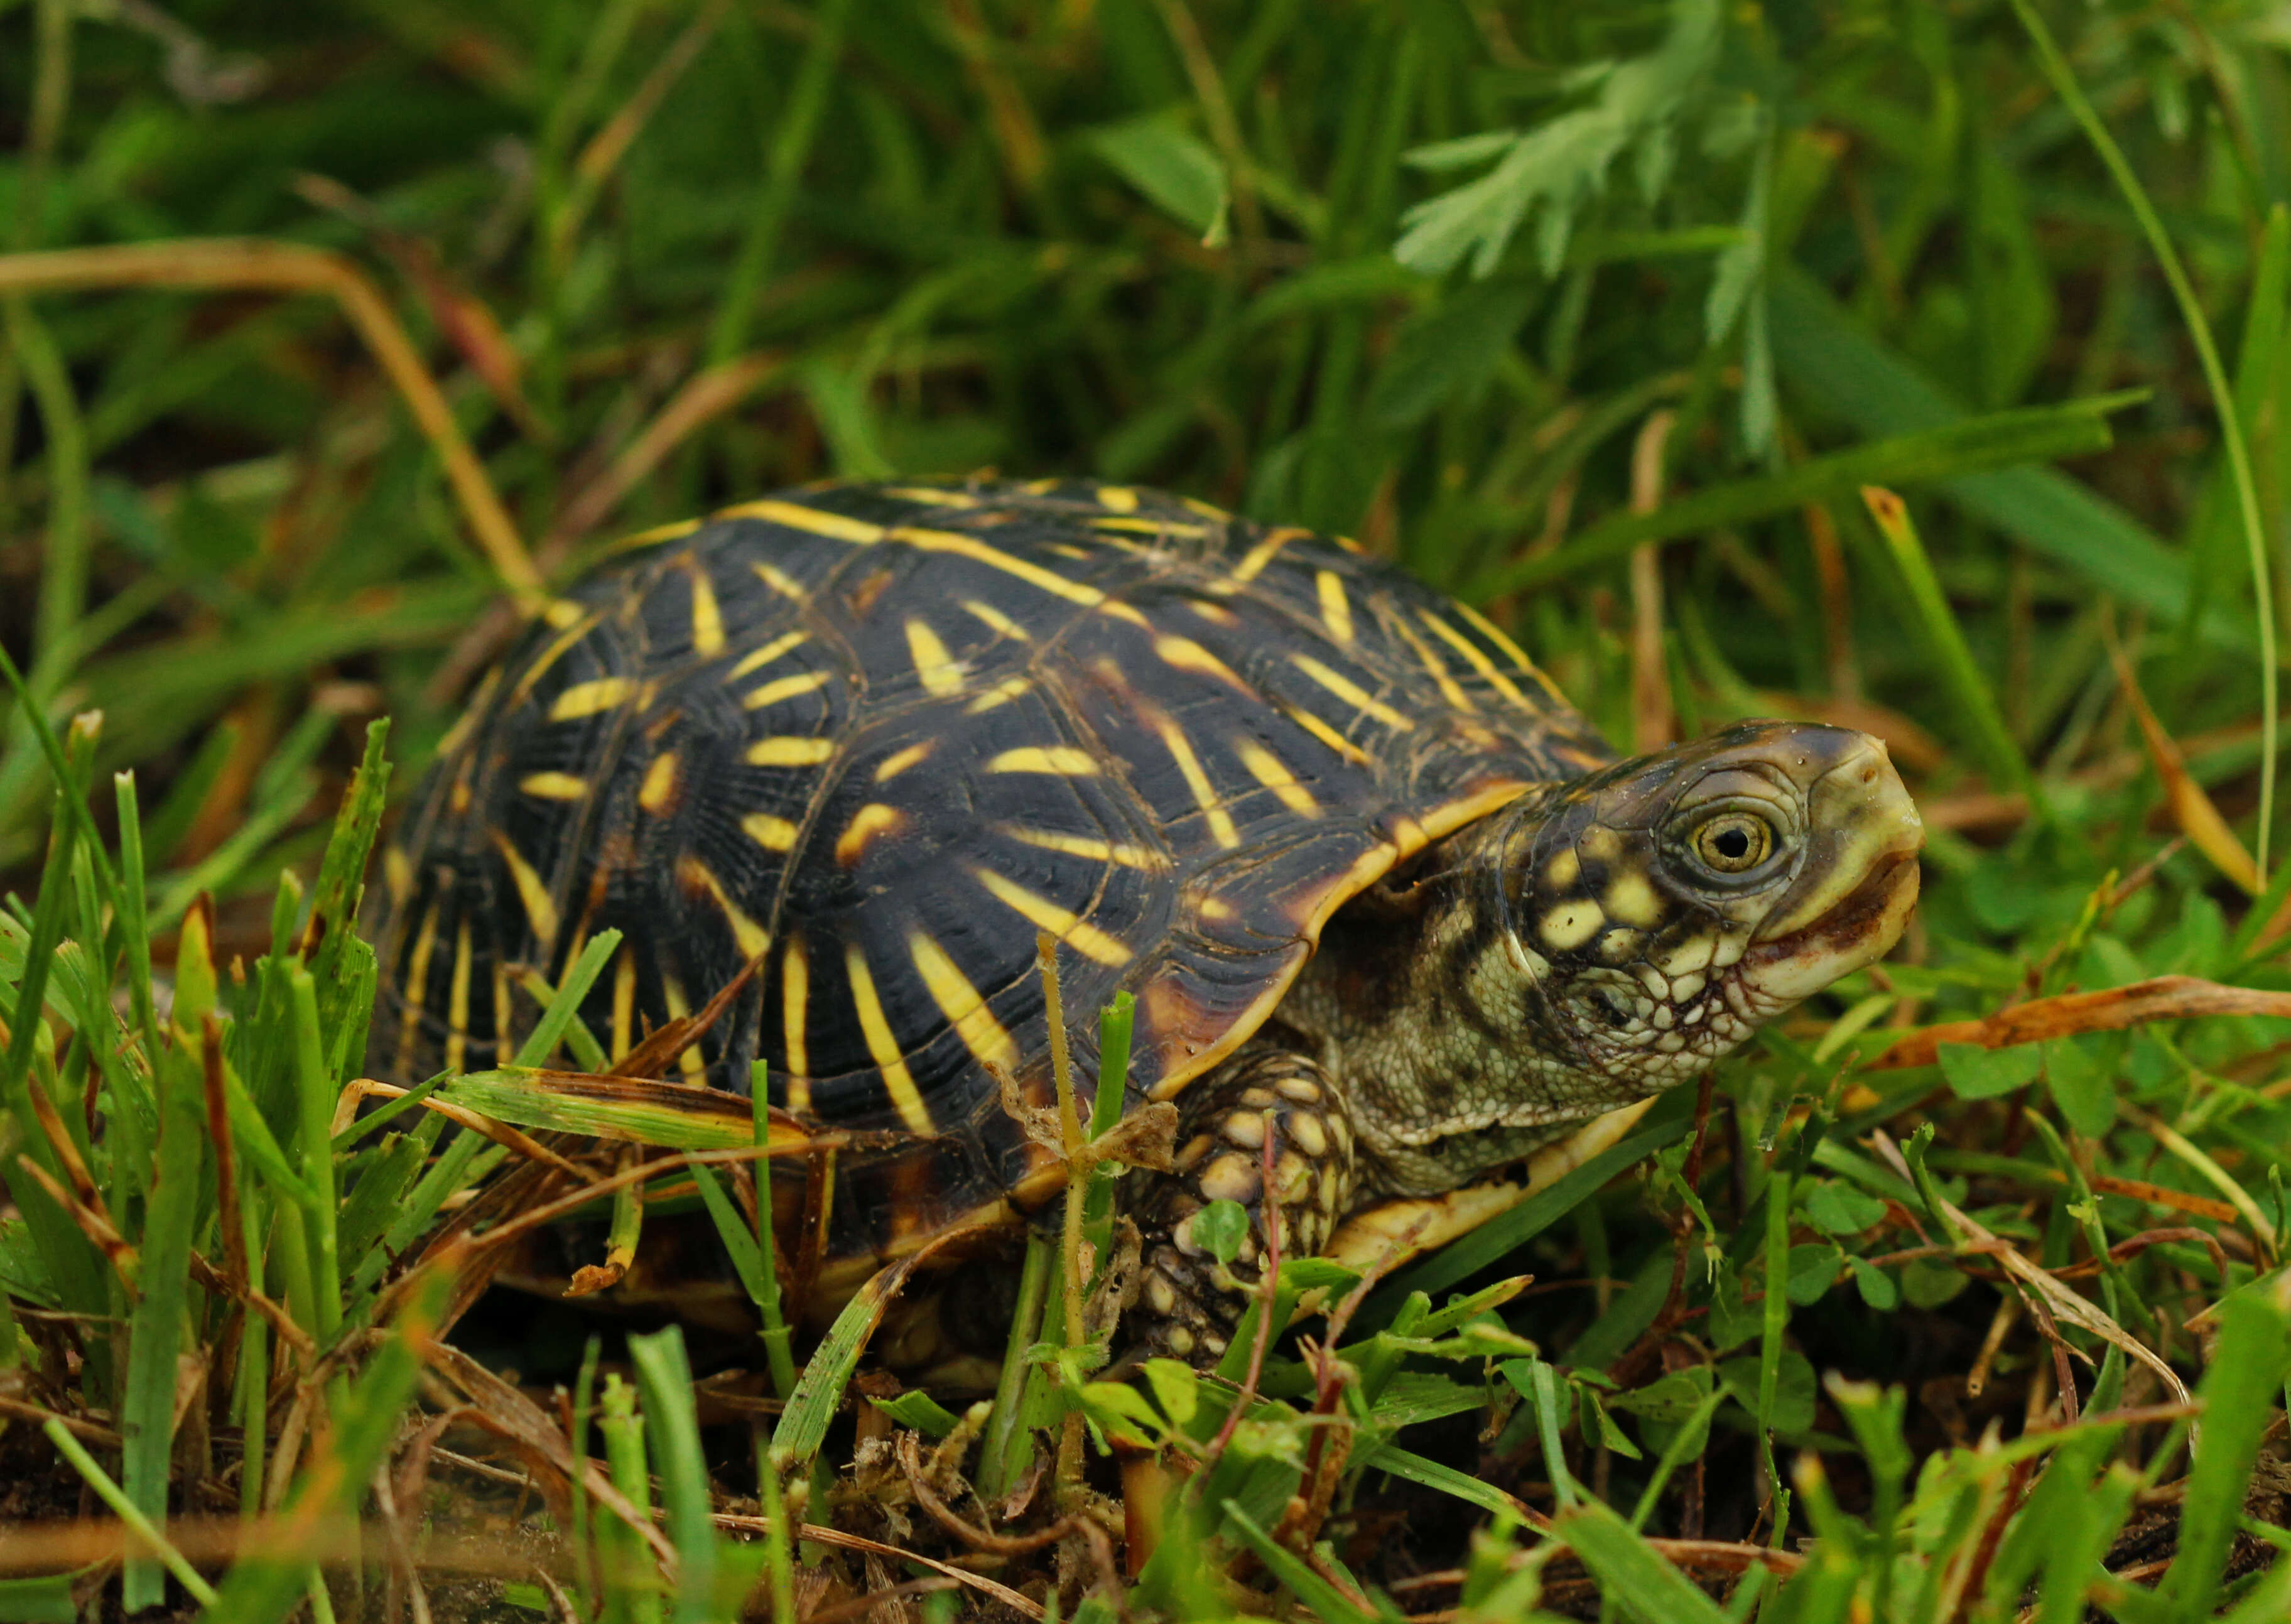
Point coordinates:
[[1467, 280]]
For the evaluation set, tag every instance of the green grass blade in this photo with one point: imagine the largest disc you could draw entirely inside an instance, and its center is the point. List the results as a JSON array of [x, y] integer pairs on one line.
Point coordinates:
[[2034, 434], [2231, 421], [127, 1510], [1631, 1571], [1321, 1598], [156, 1327], [2239, 1389], [672, 1430]]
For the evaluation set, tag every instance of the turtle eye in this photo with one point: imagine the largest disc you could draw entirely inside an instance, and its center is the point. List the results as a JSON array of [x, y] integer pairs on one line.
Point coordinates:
[[1733, 842]]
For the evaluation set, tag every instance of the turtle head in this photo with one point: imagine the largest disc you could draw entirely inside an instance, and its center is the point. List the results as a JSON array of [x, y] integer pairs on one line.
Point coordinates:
[[1667, 906]]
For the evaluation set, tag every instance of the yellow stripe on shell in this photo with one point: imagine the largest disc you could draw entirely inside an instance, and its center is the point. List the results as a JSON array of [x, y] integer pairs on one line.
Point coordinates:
[[530, 675], [397, 874], [772, 833], [780, 581], [1002, 624], [624, 1002], [785, 687], [1512, 651], [932, 496], [898, 1082], [540, 907], [561, 613], [1066, 760], [1336, 609], [1478, 658], [811, 521], [795, 1003], [940, 674], [694, 875], [657, 793], [1033, 574], [1001, 693], [788, 750], [1085, 939], [675, 530], [1185, 655], [765, 656], [691, 1061], [552, 787], [1271, 771], [589, 699], [1435, 667], [707, 617], [869, 823], [417, 985], [1327, 735], [1256, 558], [1345, 688], [1120, 498], [1189, 764], [1092, 847], [962, 1004], [899, 763], [457, 1000]]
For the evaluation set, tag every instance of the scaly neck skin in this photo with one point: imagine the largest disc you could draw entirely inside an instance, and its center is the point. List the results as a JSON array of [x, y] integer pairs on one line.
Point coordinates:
[[1424, 1011]]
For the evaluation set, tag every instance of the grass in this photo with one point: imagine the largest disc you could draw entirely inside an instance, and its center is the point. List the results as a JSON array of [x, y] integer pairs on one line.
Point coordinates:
[[1918, 367]]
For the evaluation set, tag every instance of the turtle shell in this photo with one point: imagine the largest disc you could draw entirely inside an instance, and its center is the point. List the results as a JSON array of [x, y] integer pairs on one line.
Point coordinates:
[[873, 738]]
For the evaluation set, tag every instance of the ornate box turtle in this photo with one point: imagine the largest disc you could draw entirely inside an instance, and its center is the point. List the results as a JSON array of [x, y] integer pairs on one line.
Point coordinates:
[[1379, 891]]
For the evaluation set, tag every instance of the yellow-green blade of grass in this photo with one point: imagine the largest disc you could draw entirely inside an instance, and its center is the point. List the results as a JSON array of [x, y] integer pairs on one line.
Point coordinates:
[[1322, 1599], [2246, 1375], [819, 1390], [667, 1116], [360, 1429], [2031, 434], [1631, 1571], [672, 1434], [565, 1006], [1945, 644], [155, 1327]]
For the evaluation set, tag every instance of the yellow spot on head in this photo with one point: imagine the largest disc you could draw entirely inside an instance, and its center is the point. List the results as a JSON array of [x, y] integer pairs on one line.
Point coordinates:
[[940, 674], [1563, 871], [785, 687], [588, 698], [1085, 939], [1600, 843], [1336, 609], [1571, 924], [765, 656], [772, 833], [962, 1003], [811, 521], [1216, 909], [895, 764], [1630, 900], [787, 751], [553, 786], [898, 1082], [657, 793], [1269, 770], [870, 821], [1064, 759]]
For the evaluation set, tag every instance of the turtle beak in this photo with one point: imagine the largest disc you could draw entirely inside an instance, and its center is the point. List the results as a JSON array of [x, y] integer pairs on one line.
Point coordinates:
[[1853, 893]]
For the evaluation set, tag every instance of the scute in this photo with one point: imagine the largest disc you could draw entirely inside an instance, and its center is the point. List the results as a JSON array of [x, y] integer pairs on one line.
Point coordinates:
[[877, 736]]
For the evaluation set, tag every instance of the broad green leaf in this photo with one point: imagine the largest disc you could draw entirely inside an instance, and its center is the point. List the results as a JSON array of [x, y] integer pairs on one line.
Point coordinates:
[[1975, 1073], [1171, 165], [1838, 1208]]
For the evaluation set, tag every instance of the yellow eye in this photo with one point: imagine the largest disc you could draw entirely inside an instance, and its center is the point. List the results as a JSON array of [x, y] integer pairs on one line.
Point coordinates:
[[1734, 843]]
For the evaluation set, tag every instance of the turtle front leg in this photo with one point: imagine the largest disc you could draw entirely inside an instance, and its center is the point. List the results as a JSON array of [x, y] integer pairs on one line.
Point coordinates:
[[1188, 1302]]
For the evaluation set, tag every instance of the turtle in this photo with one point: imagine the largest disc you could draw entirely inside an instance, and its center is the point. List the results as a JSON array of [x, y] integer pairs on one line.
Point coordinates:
[[1393, 914]]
